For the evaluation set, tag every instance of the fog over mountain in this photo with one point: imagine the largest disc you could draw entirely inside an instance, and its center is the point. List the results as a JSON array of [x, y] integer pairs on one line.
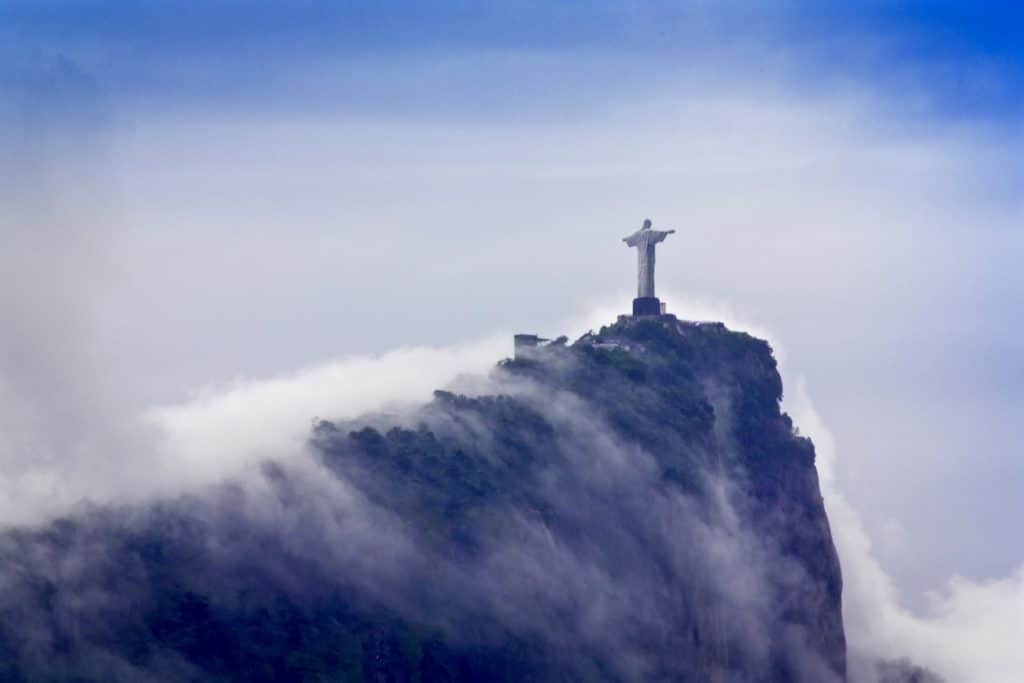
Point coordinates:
[[632, 507], [220, 223]]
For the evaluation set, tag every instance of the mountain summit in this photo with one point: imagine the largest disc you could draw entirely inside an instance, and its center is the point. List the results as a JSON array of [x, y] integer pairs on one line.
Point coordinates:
[[633, 506]]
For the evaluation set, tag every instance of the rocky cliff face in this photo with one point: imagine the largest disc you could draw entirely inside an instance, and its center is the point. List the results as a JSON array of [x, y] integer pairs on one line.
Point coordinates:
[[633, 506]]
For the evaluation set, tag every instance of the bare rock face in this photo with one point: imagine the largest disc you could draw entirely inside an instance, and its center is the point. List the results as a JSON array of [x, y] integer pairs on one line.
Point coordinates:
[[703, 402], [630, 507]]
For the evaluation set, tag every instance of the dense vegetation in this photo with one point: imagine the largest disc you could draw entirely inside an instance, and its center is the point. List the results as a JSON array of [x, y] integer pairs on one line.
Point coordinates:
[[633, 506]]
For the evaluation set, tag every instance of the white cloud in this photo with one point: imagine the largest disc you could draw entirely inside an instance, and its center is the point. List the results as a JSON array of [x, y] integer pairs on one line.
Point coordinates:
[[223, 429], [971, 632], [878, 244]]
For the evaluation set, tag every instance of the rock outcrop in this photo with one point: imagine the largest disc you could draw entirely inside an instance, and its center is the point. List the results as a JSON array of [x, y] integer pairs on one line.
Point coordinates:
[[631, 507]]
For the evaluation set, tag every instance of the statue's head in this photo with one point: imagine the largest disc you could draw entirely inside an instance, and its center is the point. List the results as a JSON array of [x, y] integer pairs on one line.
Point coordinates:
[[647, 224]]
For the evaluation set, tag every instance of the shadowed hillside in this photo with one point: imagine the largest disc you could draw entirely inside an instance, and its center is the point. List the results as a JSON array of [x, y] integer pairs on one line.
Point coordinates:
[[633, 506]]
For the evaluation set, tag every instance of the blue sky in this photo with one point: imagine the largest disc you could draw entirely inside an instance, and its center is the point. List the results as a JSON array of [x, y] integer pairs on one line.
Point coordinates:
[[199, 194], [235, 53]]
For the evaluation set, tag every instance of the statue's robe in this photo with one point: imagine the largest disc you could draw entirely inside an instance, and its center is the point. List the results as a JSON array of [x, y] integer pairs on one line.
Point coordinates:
[[644, 241]]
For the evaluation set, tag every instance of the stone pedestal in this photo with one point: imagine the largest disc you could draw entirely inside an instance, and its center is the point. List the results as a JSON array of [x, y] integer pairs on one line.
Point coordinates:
[[646, 305]]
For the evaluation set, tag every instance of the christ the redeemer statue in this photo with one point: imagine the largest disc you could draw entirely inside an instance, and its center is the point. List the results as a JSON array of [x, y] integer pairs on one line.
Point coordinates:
[[645, 240]]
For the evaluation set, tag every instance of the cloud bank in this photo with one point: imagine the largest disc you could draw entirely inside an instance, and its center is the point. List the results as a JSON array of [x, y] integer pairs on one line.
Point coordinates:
[[967, 633], [969, 630], [873, 232], [528, 525]]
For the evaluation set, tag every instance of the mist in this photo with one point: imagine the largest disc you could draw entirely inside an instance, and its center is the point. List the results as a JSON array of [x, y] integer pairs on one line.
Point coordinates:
[[192, 271], [562, 548]]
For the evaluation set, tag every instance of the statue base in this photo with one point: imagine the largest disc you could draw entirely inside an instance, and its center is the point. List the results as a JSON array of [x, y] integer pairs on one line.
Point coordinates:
[[647, 305]]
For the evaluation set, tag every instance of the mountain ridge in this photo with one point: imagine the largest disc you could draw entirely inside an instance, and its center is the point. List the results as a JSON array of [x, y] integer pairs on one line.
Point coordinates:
[[631, 506]]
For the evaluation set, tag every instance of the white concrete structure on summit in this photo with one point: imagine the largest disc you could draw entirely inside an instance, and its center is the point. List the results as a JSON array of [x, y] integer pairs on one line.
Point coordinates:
[[644, 240]]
